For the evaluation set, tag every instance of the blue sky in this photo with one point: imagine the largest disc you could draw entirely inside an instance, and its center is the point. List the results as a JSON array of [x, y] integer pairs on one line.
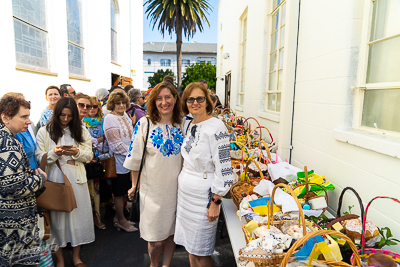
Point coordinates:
[[209, 34]]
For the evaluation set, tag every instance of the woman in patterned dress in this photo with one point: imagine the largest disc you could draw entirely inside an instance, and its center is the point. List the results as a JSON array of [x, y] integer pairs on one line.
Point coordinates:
[[94, 124], [118, 127], [52, 93], [206, 176], [19, 242], [159, 177]]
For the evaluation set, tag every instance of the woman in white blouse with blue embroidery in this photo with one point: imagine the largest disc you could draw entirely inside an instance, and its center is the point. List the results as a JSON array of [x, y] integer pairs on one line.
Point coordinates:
[[159, 177], [206, 176]]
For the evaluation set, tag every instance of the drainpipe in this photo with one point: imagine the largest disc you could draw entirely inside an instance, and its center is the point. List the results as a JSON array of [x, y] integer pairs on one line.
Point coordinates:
[[294, 85]]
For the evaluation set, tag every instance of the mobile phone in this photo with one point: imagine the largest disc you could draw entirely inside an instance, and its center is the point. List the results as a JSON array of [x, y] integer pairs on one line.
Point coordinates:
[[67, 146], [133, 112]]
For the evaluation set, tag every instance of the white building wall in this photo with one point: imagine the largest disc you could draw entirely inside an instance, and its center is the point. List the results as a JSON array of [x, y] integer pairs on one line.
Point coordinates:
[[97, 43], [329, 41]]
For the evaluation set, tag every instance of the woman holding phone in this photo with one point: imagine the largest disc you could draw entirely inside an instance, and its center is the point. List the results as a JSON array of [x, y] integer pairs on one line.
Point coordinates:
[[65, 140]]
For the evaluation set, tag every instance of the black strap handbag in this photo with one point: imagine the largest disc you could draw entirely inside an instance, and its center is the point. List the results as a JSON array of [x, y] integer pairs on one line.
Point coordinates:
[[134, 214]]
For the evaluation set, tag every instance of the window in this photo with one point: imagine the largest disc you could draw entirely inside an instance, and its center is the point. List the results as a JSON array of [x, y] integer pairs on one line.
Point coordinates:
[[149, 61], [75, 38], [185, 62], [30, 34], [200, 61], [242, 62], [381, 81], [165, 62], [113, 9], [275, 68]]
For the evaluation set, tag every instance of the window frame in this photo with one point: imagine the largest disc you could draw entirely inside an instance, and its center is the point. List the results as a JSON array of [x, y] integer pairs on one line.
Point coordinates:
[[82, 46], [165, 64], [45, 31], [242, 65], [361, 82], [116, 24], [279, 48]]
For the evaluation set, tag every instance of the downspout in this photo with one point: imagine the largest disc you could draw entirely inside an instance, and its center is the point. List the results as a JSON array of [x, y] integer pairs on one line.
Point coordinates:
[[294, 86]]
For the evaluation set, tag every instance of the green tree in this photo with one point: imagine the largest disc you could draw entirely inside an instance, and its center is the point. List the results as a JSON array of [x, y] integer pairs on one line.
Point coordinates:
[[196, 72], [178, 15], [158, 77]]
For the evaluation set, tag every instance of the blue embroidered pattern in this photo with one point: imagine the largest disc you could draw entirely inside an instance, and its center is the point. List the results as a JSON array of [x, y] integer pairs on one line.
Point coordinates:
[[135, 130], [170, 145]]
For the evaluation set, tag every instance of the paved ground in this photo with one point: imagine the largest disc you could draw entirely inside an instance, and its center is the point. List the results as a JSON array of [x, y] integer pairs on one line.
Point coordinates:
[[113, 248]]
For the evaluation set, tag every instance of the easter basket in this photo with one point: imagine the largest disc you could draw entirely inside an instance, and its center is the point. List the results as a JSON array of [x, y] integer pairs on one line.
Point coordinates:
[[304, 240], [365, 253], [244, 185], [274, 259]]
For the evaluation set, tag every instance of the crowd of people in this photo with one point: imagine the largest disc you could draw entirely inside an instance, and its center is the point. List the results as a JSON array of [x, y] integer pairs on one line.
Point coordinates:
[[184, 168]]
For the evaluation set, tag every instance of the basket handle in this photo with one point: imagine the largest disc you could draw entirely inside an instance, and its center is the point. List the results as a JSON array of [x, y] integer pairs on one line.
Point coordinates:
[[304, 239], [266, 149], [271, 213], [341, 200], [258, 167], [263, 127], [250, 125], [364, 216]]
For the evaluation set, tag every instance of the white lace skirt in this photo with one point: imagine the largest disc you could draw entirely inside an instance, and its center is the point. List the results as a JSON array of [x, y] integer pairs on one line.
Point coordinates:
[[193, 230], [75, 227]]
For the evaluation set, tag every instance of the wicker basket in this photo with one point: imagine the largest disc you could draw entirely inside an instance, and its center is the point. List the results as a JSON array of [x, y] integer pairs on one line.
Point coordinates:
[[310, 195], [304, 239], [237, 197], [276, 259], [367, 252], [340, 218]]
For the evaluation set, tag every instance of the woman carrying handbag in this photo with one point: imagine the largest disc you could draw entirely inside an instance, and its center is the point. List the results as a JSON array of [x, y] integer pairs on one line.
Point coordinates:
[[66, 141], [161, 166]]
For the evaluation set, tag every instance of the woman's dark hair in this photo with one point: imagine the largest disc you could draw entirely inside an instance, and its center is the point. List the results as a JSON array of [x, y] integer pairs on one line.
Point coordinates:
[[75, 125], [152, 110], [128, 87], [188, 91], [10, 105]]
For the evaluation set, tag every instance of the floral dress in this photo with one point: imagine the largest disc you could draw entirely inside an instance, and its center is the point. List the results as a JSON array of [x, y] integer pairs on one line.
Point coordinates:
[[159, 177], [45, 116]]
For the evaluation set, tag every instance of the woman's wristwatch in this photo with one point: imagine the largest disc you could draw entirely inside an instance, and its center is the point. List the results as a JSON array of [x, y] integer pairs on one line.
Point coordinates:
[[217, 201]]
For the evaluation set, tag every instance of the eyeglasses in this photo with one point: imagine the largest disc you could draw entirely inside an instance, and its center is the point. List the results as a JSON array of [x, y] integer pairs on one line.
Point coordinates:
[[199, 99], [81, 105], [120, 103], [95, 107]]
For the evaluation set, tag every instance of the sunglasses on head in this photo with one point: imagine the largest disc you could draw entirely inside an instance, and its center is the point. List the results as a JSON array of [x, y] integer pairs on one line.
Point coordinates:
[[199, 99], [81, 105]]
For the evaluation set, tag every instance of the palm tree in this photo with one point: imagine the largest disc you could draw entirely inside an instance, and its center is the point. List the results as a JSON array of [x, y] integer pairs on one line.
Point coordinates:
[[178, 15]]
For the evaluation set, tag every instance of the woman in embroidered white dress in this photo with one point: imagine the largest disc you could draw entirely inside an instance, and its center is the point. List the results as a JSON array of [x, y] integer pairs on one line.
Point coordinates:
[[159, 177], [118, 129], [206, 176], [65, 128]]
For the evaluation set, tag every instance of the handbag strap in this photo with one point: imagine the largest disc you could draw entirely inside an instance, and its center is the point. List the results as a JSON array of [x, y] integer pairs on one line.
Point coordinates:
[[66, 180], [141, 163], [188, 126]]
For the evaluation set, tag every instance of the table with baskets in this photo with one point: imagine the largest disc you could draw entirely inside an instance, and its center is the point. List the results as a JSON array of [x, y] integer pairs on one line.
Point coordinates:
[[251, 156]]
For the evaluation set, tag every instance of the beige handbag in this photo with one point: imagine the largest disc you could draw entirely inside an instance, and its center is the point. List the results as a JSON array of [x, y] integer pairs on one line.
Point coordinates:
[[57, 196]]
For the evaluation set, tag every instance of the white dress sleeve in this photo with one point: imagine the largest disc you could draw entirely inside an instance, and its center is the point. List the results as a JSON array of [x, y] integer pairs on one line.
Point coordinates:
[[219, 145], [85, 153]]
